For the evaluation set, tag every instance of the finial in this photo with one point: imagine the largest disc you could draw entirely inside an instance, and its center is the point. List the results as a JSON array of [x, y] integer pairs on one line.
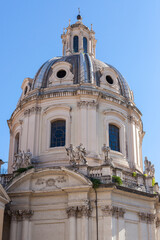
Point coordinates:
[[79, 17], [91, 27], [63, 30], [69, 22]]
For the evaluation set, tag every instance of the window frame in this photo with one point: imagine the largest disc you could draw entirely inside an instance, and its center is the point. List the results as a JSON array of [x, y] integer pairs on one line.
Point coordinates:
[[117, 128], [56, 120], [51, 114], [77, 43], [117, 119], [86, 44]]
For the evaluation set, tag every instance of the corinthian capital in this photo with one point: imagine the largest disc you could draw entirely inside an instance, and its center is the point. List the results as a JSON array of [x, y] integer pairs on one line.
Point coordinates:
[[113, 211], [20, 214], [71, 211]]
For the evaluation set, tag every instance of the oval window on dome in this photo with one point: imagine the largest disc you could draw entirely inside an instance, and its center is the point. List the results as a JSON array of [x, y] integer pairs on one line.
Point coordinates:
[[109, 79], [61, 73]]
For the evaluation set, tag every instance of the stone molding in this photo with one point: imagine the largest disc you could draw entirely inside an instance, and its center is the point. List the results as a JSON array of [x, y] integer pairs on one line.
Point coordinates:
[[146, 217], [113, 211], [20, 214], [40, 94], [79, 211], [85, 104], [32, 110]]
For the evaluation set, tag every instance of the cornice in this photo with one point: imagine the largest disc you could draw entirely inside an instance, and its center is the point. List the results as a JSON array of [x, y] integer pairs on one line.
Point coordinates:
[[65, 91]]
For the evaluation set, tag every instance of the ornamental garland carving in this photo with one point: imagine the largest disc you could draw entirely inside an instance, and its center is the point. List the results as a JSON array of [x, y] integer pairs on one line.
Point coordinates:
[[113, 211], [146, 217], [20, 214], [32, 110], [79, 211], [82, 104]]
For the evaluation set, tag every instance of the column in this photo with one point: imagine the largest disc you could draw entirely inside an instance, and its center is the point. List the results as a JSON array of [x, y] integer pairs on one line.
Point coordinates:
[[151, 226], [107, 222], [113, 223], [144, 230], [131, 140], [85, 224], [82, 107], [158, 229], [26, 215], [92, 131], [121, 223], [13, 228], [81, 41], [71, 212]]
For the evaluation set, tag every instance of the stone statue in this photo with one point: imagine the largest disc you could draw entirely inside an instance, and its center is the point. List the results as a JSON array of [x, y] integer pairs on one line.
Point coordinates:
[[106, 150], [72, 154], [76, 155], [27, 158], [22, 159], [149, 168], [81, 154], [18, 160]]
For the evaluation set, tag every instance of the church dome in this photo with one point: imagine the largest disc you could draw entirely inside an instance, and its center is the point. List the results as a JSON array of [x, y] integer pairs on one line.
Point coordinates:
[[76, 100], [78, 69]]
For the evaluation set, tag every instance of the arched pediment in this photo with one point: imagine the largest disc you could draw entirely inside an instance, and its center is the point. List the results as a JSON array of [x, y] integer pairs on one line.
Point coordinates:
[[48, 180]]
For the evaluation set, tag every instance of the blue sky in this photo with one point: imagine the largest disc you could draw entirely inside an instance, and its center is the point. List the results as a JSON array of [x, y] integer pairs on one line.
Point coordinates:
[[128, 34]]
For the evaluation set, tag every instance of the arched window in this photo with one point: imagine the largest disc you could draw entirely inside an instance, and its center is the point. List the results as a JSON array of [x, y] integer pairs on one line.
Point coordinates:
[[114, 137], [16, 143], [58, 133], [75, 44], [85, 44]]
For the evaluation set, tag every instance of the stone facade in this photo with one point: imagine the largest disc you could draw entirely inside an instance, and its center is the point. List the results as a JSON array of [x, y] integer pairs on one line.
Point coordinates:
[[81, 188]]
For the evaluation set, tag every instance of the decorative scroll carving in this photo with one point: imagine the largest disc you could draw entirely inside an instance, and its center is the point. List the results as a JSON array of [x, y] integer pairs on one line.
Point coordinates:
[[20, 214], [113, 211], [158, 222], [107, 210], [146, 217], [131, 119], [106, 150], [71, 211], [32, 110], [149, 168], [92, 104], [76, 155], [79, 211], [22, 159]]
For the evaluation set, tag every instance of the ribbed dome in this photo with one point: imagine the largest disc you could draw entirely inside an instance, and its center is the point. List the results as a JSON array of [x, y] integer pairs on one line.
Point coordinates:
[[85, 69]]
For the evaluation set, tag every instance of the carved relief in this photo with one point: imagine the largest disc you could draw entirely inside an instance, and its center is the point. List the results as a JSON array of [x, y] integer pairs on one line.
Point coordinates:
[[50, 182], [146, 217], [113, 211], [20, 214]]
